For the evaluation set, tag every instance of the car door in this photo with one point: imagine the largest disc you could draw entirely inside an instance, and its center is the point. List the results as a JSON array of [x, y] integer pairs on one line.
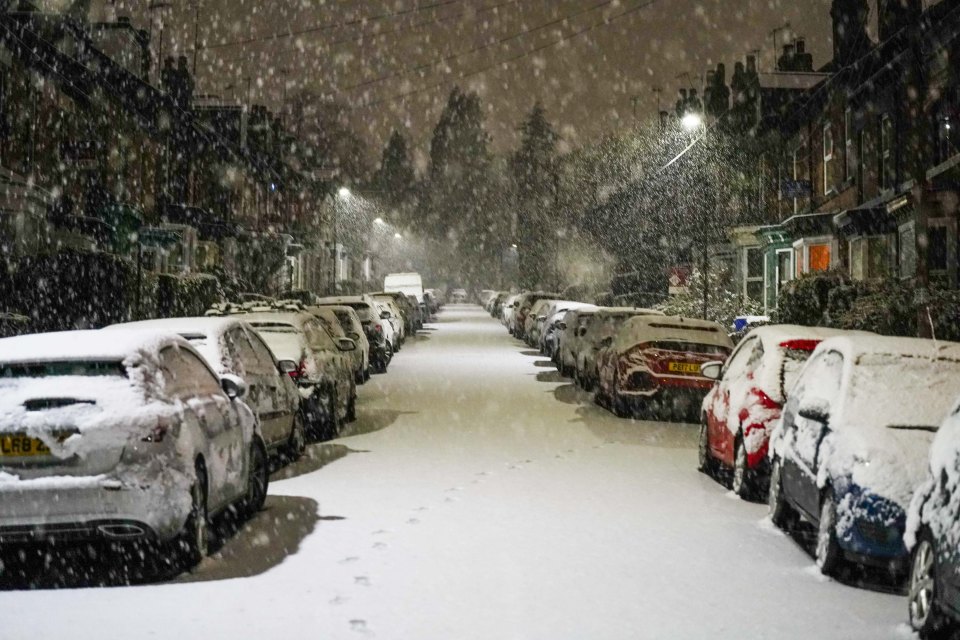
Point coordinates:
[[243, 364], [281, 390], [819, 385], [719, 418], [207, 409]]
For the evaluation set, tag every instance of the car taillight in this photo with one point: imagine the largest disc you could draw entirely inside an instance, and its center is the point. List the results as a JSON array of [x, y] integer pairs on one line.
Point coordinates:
[[800, 344], [378, 329], [300, 371], [158, 433]]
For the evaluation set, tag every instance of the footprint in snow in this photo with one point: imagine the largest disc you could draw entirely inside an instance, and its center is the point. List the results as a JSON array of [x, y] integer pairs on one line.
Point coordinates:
[[413, 521], [422, 509], [451, 499], [380, 545], [339, 600], [349, 560], [452, 489], [363, 581], [484, 473], [380, 532], [360, 626]]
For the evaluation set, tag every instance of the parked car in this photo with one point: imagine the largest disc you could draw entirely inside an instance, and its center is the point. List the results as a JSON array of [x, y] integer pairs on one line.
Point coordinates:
[[523, 305], [851, 446], [651, 366], [231, 347], [379, 333], [353, 328], [739, 412], [601, 326], [400, 308], [570, 338], [507, 310], [551, 326], [932, 534], [122, 436], [392, 324], [534, 321], [409, 284], [358, 359], [320, 366]]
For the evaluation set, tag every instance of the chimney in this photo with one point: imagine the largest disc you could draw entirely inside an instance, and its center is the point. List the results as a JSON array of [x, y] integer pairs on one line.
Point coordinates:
[[752, 64], [850, 39], [894, 15], [786, 61], [803, 61]]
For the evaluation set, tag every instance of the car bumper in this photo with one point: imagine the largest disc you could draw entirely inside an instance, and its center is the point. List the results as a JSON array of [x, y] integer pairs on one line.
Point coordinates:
[[92, 508]]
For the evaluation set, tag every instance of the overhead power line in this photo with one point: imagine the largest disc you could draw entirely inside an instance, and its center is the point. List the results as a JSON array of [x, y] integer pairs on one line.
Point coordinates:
[[330, 25], [498, 42], [511, 59]]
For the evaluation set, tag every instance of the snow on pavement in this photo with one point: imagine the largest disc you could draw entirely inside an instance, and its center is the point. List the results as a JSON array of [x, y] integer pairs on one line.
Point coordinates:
[[479, 495]]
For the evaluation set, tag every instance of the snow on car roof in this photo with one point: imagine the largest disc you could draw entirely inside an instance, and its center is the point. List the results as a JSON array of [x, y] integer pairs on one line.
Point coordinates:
[[779, 333], [649, 328], [616, 311], [208, 325], [291, 318], [83, 345]]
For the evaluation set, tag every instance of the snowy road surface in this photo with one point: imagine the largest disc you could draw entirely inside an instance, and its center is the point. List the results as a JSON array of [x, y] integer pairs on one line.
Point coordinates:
[[480, 496]]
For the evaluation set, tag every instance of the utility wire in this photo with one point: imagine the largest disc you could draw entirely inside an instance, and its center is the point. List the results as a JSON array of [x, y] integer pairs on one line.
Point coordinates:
[[502, 63], [330, 25], [498, 42]]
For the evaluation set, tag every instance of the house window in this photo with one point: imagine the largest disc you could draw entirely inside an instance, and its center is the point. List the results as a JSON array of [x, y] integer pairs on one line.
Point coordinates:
[[888, 175], [871, 257], [827, 159], [753, 272], [937, 249], [800, 172], [812, 255], [850, 167], [784, 268], [907, 255]]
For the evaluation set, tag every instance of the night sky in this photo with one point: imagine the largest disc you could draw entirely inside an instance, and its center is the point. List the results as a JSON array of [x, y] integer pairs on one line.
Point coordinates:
[[393, 63]]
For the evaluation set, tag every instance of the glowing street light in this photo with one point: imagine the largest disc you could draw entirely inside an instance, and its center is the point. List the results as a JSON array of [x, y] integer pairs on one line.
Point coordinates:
[[398, 236], [378, 221], [692, 121], [344, 193]]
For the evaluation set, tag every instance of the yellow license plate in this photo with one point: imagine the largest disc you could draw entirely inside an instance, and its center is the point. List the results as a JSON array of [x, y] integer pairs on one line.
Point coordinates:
[[21, 446], [683, 367]]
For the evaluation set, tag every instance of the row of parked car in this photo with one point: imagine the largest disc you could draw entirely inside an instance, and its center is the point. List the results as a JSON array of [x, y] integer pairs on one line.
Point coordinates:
[[852, 433], [144, 432]]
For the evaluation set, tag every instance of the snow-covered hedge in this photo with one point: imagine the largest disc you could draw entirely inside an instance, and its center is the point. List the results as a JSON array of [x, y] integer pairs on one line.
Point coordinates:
[[887, 307]]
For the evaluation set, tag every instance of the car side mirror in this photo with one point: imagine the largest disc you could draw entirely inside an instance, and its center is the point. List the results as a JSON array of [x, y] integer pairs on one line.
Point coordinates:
[[815, 409], [582, 331], [287, 366], [562, 326], [541, 318], [233, 386], [346, 344], [384, 315], [353, 335], [711, 370]]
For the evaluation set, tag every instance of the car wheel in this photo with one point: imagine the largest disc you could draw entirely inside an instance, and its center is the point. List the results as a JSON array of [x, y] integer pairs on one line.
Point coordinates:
[[742, 480], [333, 425], [194, 541], [781, 513], [366, 374], [704, 459], [257, 480], [922, 598], [297, 442], [617, 404], [828, 553]]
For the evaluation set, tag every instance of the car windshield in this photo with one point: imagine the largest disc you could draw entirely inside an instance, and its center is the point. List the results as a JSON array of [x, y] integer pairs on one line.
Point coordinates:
[[64, 368]]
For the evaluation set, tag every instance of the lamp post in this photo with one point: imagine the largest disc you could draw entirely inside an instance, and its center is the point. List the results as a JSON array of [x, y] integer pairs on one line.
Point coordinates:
[[692, 122]]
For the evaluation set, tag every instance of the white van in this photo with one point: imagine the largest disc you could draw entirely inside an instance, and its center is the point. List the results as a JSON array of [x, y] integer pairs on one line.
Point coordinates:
[[410, 284]]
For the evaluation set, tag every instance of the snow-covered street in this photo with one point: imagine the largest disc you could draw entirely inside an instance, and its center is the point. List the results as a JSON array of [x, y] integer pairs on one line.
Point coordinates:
[[480, 495]]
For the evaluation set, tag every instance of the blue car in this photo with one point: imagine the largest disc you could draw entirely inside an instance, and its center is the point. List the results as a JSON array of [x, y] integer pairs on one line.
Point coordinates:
[[852, 444]]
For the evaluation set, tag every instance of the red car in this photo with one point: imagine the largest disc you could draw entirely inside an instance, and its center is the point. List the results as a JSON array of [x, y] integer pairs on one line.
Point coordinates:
[[652, 366], [745, 402]]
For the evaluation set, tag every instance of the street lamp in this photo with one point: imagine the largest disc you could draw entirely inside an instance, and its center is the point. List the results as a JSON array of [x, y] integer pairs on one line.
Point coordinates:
[[692, 121], [378, 221], [344, 193], [398, 236]]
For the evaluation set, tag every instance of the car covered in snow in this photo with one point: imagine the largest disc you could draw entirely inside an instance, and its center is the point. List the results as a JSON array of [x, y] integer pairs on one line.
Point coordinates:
[[319, 365], [232, 347], [390, 312], [740, 410], [552, 321], [535, 320], [600, 329], [933, 536], [507, 310], [352, 327], [122, 436], [851, 446], [378, 332], [522, 307], [570, 338], [651, 365], [358, 357]]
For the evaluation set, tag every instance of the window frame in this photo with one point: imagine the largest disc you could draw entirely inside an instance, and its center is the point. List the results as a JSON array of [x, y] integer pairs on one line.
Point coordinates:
[[828, 159], [804, 245]]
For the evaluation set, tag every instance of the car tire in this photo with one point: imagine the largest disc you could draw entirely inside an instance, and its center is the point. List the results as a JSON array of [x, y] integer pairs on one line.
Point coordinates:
[[925, 613], [705, 462], [333, 425], [297, 443], [193, 543], [782, 513], [828, 553], [258, 480], [742, 478]]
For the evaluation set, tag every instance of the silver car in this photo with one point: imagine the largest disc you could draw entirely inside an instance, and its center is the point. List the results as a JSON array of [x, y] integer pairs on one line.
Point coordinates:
[[122, 436], [231, 346]]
